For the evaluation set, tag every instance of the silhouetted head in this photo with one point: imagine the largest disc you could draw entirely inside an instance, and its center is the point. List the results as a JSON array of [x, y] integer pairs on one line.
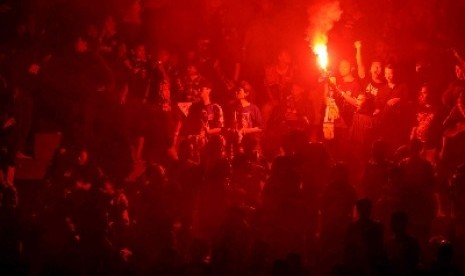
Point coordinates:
[[363, 207], [244, 90], [199, 250], [205, 90], [280, 267], [445, 252], [399, 222], [379, 150], [294, 141]]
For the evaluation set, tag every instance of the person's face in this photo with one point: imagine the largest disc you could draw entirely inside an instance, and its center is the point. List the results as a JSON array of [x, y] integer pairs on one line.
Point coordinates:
[[81, 45], [205, 93], [389, 75], [241, 94], [360, 100], [344, 68], [192, 70], [83, 157], [376, 70]]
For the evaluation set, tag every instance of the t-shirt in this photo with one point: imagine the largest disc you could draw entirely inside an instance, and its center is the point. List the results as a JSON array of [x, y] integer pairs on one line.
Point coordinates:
[[248, 116], [386, 93], [295, 109], [371, 87], [203, 116], [346, 109]]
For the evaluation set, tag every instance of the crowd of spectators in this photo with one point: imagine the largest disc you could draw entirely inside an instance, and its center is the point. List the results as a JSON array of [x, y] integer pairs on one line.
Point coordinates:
[[201, 138]]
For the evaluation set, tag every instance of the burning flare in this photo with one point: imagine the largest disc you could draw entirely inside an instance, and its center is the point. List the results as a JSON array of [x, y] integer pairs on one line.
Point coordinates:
[[322, 14], [321, 52]]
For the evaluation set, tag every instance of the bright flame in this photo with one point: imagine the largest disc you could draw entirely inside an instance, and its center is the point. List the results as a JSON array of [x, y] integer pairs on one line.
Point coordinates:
[[321, 52], [322, 14]]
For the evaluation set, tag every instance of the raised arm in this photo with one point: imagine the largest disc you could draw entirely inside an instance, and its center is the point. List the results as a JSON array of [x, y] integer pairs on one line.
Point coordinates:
[[358, 57]]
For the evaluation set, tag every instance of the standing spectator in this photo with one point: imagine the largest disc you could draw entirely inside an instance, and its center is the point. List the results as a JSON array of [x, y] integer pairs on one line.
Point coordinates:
[[417, 194], [392, 107], [204, 119], [278, 80], [336, 207], [403, 250], [245, 118], [425, 128], [364, 247]]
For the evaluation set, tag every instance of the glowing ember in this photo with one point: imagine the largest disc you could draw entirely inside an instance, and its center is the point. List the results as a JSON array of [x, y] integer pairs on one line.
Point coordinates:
[[321, 52]]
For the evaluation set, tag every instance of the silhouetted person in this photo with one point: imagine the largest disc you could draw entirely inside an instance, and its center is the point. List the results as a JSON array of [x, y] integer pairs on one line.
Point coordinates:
[[457, 189], [416, 193], [391, 107], [197, 264], [375, 177], [213, 196], [315, 172], [336, 207], [403, 250], [249, 171], [153, 216], [443, 264], [283, 201], [364, 247], [232, 243]]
